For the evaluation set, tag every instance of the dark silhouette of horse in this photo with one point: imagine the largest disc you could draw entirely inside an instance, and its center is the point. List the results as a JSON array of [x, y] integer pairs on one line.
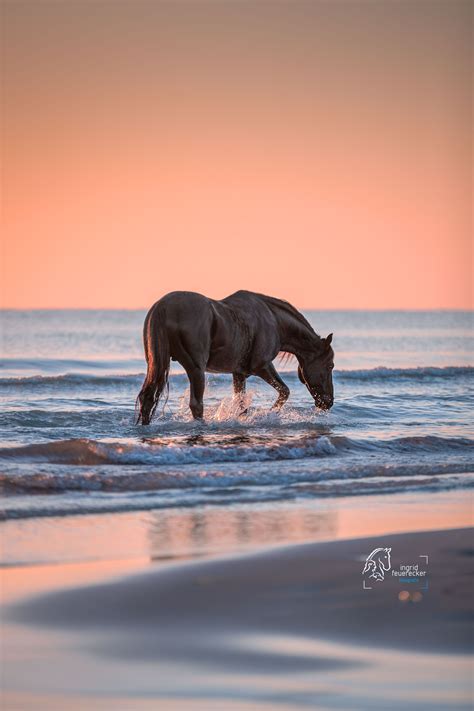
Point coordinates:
[[242, 335]]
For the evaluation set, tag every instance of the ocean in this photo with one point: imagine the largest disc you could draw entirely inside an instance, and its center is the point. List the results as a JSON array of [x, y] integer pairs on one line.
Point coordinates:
[[402, 418]]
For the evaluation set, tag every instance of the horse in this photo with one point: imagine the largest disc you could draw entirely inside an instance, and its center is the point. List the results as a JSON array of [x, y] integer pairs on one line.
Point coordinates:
[[378, 563], [241, 334]]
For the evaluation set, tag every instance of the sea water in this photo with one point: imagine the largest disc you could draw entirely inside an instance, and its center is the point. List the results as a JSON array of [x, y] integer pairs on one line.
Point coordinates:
[[402, 418]]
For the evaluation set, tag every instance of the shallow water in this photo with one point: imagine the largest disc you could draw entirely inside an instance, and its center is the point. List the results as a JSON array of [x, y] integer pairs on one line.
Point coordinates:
[[69, 379]]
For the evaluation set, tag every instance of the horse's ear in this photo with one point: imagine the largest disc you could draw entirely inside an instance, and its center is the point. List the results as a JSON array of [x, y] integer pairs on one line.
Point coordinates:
[[329, 339]]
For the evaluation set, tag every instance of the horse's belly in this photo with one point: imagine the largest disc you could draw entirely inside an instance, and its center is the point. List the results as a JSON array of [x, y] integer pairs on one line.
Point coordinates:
[[217, 370], [222, 362], [221, 365]]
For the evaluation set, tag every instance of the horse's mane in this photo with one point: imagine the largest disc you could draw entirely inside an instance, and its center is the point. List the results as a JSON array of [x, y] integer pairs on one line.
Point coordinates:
[[280, 304]]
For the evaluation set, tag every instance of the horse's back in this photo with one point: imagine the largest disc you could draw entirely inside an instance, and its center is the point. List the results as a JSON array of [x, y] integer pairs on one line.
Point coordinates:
[[226, 336], [195, 304], [244, 299]]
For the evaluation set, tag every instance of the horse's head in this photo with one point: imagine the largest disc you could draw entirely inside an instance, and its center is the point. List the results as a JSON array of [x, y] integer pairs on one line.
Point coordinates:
[[315, 371], [384, 558]]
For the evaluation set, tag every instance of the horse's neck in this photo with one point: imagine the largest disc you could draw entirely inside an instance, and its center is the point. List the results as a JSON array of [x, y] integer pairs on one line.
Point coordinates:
[[296, 337]]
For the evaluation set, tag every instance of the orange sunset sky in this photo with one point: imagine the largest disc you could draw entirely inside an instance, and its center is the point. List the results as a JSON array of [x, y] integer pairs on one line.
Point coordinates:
[[319, 151]]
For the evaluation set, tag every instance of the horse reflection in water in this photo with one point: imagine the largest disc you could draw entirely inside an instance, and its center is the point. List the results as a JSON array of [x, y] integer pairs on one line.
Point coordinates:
[[241, 334]]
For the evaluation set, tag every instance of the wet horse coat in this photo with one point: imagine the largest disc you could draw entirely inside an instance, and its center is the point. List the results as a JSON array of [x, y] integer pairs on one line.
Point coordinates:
[[241, 334]]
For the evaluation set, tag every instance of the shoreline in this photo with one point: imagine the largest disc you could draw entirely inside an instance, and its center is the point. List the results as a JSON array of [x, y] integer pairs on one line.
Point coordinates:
[[175, 534]]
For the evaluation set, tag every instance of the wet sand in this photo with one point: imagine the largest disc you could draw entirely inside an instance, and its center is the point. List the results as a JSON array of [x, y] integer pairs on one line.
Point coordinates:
[[313, 590], [292, 627]]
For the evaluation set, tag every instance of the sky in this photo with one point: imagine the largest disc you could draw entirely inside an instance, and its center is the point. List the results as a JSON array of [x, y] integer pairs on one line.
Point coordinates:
[[317, 151]]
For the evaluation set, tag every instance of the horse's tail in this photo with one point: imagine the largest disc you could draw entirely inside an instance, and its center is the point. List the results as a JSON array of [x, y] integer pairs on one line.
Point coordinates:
[[157, 353]]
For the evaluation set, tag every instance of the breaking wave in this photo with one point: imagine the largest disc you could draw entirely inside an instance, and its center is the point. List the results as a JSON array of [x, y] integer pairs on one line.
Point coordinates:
[[195, 449]]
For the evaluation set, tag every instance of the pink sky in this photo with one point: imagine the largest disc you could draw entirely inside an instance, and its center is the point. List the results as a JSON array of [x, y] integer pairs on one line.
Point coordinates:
[[317, 151]]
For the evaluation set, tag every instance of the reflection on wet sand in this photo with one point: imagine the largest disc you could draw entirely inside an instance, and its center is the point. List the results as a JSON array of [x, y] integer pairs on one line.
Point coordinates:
[[216, 530], [177, 533]]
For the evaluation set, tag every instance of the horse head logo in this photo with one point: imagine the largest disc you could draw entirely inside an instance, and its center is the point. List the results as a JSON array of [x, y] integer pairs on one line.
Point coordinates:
[[377, 563]]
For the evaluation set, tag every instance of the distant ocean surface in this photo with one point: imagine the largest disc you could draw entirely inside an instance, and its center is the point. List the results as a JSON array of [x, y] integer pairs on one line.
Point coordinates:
[[402, 418]]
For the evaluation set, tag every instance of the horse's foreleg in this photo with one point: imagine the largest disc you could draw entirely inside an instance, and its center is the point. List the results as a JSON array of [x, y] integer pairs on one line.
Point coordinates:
[[270, 376], [239, 390], [197, 382]]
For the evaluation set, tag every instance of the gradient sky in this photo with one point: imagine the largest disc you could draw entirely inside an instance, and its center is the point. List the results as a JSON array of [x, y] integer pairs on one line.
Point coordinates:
[[317, 151]]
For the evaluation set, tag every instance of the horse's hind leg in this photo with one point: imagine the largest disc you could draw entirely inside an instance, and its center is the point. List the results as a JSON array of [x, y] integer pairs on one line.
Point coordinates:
[[239, 390], [270, 376], [197, 383]]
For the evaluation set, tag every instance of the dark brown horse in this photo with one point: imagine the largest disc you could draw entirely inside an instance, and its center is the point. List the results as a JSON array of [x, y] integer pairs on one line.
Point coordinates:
[[242, 335]]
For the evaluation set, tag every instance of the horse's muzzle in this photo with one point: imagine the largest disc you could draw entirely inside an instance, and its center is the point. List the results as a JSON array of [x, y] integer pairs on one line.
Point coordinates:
[[324, 402]]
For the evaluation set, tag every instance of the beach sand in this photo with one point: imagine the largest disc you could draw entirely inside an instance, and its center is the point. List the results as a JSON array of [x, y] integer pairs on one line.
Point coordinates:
[[290, 627], [313, 590]]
